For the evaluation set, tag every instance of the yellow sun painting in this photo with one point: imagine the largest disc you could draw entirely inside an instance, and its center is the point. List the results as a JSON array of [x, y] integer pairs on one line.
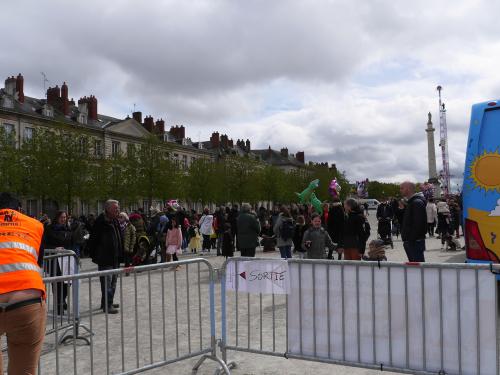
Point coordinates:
[[485, 171]]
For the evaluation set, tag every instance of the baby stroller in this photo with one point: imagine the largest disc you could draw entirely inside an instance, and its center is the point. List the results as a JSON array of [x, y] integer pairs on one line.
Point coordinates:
[[451, 244], [376, 251], [385, 231], [145, 253]]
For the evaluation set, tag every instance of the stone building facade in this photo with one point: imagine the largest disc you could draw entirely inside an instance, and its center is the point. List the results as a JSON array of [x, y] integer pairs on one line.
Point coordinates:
[[22, 115]]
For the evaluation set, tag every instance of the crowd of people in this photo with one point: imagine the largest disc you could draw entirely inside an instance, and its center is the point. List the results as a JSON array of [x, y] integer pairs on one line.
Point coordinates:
[[341, 230]]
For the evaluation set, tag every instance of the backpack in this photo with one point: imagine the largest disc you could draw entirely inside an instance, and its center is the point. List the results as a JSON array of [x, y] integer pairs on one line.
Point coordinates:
[[191, 232], [287, 229]]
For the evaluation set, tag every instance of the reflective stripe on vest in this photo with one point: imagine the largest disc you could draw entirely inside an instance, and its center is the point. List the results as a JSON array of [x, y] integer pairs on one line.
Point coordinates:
[[19, 246], [4, 268]]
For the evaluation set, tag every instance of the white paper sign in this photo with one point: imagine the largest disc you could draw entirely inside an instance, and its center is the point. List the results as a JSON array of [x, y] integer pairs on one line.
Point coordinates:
[[267, 277], [392, 316]]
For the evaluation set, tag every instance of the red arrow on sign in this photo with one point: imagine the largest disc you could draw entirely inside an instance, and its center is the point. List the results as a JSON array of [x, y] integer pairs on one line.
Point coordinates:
[[243, 275]]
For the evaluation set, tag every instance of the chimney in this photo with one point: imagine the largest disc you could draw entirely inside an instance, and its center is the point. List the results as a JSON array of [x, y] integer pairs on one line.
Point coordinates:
[[64, 97], [215, 140], [149, 123], [224, 141], [20, 88], [83, 108], [300, 157], [54, 96], [231, 144], [182, 132], [269, 151], [137, 116], [284, 152], [92, 100], [160, 126], [173, 131], [82, 105], [10, 85], [248, 145], [72, 102]]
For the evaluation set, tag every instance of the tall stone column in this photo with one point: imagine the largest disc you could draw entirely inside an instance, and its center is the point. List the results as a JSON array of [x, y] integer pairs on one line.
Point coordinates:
[[431, 153]]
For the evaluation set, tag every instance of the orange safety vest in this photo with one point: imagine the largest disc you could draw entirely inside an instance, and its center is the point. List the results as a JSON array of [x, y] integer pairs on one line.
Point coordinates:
[[20, 239]]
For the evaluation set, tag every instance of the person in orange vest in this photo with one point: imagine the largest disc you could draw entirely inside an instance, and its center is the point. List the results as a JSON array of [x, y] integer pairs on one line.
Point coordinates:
[[22, 291]]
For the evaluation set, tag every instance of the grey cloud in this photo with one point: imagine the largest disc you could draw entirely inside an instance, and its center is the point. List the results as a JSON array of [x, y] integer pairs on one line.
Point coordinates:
[[207, 64]]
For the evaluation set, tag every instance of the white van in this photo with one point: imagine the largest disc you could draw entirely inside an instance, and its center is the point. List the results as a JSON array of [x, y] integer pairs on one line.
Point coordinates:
[[372, 203]]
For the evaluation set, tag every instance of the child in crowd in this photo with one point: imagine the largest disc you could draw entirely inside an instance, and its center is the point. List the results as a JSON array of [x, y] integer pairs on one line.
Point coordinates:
[[194, 237], [173, 241], [227, 241], [316, 239], [268, 239]]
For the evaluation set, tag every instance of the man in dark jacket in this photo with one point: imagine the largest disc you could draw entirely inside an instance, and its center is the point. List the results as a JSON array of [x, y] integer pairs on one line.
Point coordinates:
[[385, 215], [106, 247], [248, 231], [233, 220], [335, 223], [414, 225]]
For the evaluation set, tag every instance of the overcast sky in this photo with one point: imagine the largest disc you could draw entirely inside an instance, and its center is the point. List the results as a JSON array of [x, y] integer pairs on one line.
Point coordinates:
[[348, 82]]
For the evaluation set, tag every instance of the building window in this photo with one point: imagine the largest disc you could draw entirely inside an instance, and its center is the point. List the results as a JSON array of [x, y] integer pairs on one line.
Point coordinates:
[[175, 159], [28, 134], [115, 176], [32, 207], [115, 148], [83, 146], [130, 150], [10, 134], [98, 148], [8, 128]]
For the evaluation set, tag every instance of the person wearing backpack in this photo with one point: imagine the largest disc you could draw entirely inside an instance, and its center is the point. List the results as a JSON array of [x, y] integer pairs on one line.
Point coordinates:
[[284, 230], [161, 234]]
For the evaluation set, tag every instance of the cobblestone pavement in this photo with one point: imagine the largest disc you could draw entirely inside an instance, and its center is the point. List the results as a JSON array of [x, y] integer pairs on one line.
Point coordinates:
[[154, 313]]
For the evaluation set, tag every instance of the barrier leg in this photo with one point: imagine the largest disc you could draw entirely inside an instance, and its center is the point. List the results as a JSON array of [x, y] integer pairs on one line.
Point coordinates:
[[76, 333], [229, 365], [76, 315], [222, 343], [212, 356]]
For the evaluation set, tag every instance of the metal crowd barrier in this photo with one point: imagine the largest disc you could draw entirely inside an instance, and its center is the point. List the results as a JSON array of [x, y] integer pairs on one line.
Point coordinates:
[[166, 314], [63, 309], [411, 318]]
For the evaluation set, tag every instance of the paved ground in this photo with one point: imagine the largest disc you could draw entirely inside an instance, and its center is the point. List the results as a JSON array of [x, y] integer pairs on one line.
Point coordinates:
[[161, 325]]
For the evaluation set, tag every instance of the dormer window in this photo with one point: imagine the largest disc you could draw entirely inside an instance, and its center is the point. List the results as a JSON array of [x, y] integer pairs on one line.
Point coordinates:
[[48, 111]]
